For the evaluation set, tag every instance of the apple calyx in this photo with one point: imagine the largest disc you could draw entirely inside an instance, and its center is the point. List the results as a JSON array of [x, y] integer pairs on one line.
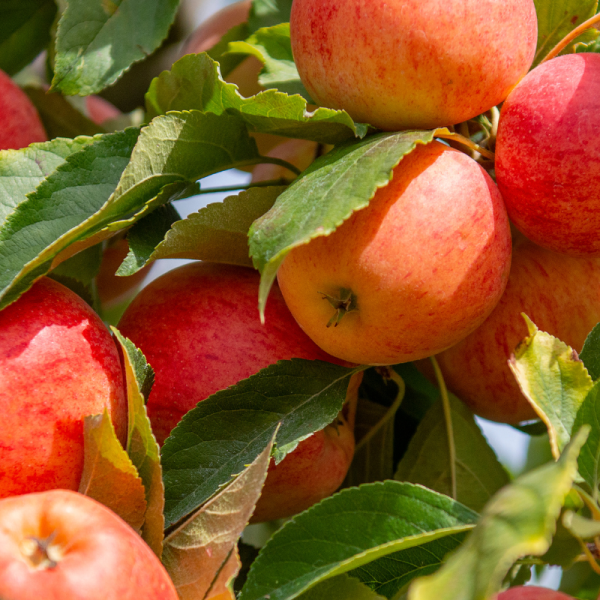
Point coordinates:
[[40, 553], [343, 303]]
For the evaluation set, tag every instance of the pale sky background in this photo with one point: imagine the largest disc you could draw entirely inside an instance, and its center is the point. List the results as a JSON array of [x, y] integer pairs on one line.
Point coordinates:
[[510, 445]]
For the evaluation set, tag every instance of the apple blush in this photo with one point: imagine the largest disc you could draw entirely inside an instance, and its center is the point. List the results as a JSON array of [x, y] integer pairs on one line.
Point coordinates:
[[548, 155]]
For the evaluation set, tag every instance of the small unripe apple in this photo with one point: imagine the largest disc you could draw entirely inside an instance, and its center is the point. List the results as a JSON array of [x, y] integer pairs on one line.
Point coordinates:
[[548, 154], [58, 364], [559, 293], [411, 274], [405, 64], [531, 592], [61, 545], [20, 123], [199, 329]]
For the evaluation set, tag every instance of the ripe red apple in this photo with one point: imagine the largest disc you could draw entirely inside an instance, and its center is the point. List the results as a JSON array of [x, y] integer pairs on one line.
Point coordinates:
[[61, 545], [413, 273], [199, 328], [58, 364], [561, 294], [530, 592], [412, 63], [548, 154], [20, 123]]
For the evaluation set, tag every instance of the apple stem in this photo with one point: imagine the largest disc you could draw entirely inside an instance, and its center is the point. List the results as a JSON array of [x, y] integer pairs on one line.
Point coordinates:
[[343, 303], [570, 37], [36, 551], [444, 133], [448, 419], [282, 163], [235, 188]]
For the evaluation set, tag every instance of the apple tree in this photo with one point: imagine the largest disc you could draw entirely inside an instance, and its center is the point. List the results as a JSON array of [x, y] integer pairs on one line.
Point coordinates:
[[426, 510]]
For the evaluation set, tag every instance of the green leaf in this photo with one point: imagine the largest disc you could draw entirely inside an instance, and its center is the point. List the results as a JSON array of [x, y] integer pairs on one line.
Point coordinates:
[[228, 62], [589, 457], [479, 474], [518, 521], [21, 171], [390, 575], [325, 540], [273, 48], [69, 206], [557, 18], [24, 31], [145, 236], [197, 550], [581, 527], [553, 380], [109, 476], [342, 587], [231, 428], [590, 353], [97, 40], [324, 196], [182, 148], [216, 233], [266, 13], [59, 116], [142, 447], [194, 82], [580, 581]]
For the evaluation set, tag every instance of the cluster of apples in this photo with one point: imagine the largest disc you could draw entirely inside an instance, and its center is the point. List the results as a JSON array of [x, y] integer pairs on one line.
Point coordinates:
[[200, 330]]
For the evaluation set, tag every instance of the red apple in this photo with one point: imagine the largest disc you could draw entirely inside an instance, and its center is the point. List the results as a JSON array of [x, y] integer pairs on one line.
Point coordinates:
[[412, 63], [58, 364], [61, 545], [561, 294], [530, 592], [548, 154], [20, 123], [199, 328], [413, 273]]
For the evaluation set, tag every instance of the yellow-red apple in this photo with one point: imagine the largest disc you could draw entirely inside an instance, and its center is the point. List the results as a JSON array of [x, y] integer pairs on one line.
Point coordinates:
[[20, 123], [413, 273], [412, 63], [560, 293], [61, 545], [548, 154], [199, 329], [58, 364]]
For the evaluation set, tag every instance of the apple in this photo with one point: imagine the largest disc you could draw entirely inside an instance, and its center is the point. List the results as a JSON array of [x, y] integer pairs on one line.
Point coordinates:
[[62, 545], [548, 154], [58, 364], [20, 123], [412, 63], [531, 592], [300, 153], [413, 273], [199, 329], [113, 290], [561, 294]]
